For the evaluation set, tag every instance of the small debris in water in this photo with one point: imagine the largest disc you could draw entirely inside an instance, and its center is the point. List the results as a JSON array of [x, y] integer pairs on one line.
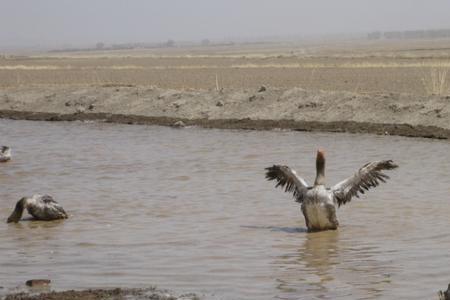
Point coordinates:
[[37, 282], [179, 124]]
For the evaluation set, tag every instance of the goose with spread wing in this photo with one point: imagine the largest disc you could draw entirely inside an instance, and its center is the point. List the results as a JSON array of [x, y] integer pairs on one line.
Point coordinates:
[[318, 203], [43, 208], [5, 153]]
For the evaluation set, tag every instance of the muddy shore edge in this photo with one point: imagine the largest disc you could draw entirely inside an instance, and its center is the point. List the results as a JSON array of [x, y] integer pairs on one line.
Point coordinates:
[[406, 130], [263, 108], [103, 294]]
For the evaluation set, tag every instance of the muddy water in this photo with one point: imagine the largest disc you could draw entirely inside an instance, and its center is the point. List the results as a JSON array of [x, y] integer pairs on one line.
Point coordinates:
[[189, 210]]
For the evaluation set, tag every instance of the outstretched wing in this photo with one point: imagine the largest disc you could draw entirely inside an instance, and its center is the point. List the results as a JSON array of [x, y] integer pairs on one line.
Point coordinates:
[[287, 178], [368, 176]]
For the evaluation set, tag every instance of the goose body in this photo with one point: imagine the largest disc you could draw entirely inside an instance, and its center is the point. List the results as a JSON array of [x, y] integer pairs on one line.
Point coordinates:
[[5, 154], [318, 202], [319, 211], [43, 208]]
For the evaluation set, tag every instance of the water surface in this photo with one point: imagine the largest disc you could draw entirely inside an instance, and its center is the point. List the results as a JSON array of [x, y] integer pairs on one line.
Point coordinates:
[[190, 210]]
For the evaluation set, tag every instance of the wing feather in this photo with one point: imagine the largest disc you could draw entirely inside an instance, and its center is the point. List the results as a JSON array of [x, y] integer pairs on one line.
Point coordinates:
[[47, 199], [288, 179], [368, 176]]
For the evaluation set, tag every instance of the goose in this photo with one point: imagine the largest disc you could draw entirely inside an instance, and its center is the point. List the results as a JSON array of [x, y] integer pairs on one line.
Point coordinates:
[[444, 295], [43, 208], [318, 203], [5, 154]]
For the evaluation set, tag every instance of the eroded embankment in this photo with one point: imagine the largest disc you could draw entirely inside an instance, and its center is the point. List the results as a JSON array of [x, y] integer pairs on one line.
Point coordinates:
[[103, 294], [337, 126], [262, 109]]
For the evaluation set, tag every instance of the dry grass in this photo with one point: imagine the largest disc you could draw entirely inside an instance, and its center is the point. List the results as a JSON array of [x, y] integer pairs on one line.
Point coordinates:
[[436, 82], [353, 69], [257, 65]]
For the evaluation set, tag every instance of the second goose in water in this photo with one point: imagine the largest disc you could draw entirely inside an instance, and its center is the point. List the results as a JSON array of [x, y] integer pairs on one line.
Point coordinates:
[[40, 207], [5, 153]]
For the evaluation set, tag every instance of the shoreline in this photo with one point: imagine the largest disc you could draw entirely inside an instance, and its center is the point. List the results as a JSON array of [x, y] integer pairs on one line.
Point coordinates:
[[405, 130], [101, 294], [265, 108]]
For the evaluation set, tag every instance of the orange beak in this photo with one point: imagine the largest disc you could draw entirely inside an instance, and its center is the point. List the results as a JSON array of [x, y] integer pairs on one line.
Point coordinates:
[[320, 154]]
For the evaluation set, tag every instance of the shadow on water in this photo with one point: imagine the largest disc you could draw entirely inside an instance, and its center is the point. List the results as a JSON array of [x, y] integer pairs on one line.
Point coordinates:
[[42, 229], [326, 266], [33, 223], [278, 228]]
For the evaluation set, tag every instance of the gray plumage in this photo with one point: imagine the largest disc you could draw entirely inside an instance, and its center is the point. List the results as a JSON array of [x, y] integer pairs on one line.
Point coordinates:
[[43, 208], [5, 154], [444, 295], [368, 176], [318, 202]]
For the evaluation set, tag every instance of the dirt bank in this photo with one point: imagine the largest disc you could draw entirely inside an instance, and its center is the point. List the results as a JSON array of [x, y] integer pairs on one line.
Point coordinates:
[[100, 294], [262, 108]]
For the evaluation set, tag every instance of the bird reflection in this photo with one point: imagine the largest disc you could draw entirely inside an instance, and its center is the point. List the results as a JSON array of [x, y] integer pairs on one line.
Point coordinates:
[[309, 269], [320, 253], [327, 266]]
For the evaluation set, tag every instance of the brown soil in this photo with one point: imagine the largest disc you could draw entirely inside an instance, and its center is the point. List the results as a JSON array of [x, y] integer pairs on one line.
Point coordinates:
[[294, 109], [343, 126], [365, 86], [100, 294], [390, 67]]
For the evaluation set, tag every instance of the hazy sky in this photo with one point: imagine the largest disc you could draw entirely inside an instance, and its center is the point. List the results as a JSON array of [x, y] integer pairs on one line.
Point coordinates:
[[57, 22]]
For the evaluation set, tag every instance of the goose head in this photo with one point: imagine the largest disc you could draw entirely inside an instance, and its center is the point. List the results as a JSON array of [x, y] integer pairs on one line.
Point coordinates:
[[320, 168], [17, 213], [6, 150]]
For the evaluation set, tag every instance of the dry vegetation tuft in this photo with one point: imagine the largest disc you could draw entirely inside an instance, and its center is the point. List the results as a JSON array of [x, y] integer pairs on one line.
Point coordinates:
[[436, 82], [402, 68]]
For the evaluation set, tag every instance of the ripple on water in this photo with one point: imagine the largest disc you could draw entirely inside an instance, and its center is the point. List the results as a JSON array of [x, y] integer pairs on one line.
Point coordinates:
[[191, 211]]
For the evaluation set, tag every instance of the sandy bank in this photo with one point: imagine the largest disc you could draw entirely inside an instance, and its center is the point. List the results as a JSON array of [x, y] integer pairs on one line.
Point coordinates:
[[103, 294], [266, 108]]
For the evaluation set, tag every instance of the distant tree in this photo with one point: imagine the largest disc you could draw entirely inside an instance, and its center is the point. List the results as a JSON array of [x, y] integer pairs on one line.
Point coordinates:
[[205, 42], [99, 46], [393, 35], [170, 43], [376, 35]]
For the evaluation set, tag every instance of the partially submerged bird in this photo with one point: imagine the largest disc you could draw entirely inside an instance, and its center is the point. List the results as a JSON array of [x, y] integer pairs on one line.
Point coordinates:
[[444, 295], [318, 202], [40, 207], [5, 154]]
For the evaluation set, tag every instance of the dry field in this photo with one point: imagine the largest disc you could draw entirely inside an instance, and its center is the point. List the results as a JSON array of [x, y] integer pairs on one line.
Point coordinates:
[[415, 67]]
